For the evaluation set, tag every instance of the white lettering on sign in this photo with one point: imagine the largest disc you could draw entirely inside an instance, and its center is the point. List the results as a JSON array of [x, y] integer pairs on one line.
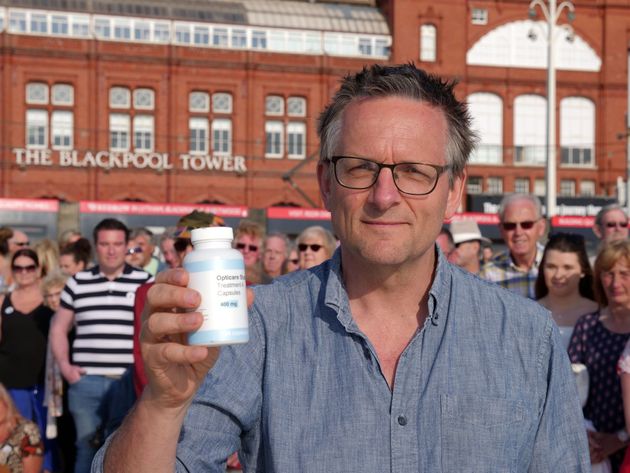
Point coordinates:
[[125, 160]]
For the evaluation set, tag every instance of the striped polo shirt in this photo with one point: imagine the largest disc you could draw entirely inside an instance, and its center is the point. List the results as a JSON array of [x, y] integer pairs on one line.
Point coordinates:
[[103, 318]]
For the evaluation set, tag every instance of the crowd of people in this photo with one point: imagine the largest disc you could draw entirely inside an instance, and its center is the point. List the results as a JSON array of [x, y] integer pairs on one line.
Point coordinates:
[[374, 346]]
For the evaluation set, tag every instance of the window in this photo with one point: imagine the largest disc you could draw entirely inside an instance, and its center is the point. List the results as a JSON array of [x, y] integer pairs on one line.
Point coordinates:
[[540, 187], [365, 46], [259, 40], [296, 140], [530, 134], [495, 185], [577, 131], [199, 102], [80, 25], [143, 133], [60, 25], [474, 185], [37, 93], [239, 38], [198, 135], [587, 187], [182, 34], [222, 103], [220, 37], [521, 185], [162, 32], [222, 136], [567, 187], [479, 16], [296, 107], [274, 105], [119, 97], [143, 99], [17, 22], [274, 139], [61, 129], [122, 29], [201, 35], [119, 132], [39, 24], [486, 111], [102, 28], [36, 129], [428, 43], [141, 31], [62, 94], [381, 48]]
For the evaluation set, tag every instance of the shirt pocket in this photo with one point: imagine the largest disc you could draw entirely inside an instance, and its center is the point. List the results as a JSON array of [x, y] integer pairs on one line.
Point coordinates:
[[480, 434]]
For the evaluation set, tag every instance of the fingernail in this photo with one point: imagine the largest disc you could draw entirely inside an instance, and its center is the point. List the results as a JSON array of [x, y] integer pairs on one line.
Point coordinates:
[[191, 298], [190, 319]]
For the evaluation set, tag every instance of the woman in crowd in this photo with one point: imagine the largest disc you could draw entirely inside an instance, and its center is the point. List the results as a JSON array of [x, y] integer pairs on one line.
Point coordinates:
[[565, 282], [21, 446], [48, 255], [75, 257], [315, 245], [597, 342], [293, 261], [24, 324]]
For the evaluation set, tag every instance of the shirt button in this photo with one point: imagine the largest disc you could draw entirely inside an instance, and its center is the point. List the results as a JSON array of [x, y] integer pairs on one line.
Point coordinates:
[[402, 420]]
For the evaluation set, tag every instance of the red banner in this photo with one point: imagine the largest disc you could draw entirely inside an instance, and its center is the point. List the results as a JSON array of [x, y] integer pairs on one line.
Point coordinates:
[[145, 208], [29, 205]]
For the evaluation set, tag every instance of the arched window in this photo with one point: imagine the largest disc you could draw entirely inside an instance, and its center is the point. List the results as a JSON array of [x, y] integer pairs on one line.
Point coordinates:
[[487, 113], [530, 130], [428, 43], [577, 131]]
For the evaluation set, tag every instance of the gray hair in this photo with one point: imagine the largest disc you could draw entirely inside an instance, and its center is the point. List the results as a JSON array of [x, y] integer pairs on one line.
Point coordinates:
[[328, 239], [283, 237], [608, 208], [407, 81], [513, 198], [141, 231]]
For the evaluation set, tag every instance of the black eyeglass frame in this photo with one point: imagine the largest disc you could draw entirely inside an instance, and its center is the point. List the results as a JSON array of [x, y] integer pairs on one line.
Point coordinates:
[[439, 169]]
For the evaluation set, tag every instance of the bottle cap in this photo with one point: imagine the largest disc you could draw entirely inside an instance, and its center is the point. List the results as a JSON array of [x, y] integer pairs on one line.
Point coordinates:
[[211, 233]]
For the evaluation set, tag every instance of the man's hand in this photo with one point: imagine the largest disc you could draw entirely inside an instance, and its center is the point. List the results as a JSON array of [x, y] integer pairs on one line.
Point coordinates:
[[71, 373], [174, 370]]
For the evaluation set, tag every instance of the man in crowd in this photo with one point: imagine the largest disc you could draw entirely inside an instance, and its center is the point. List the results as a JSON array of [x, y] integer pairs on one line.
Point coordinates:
[[167, 247], [521, 225], [275, 253], [140, 251], [445, 241], [467, 239], [18, 240], [248, 239], [611, 223], [99, 303], [384, 352]]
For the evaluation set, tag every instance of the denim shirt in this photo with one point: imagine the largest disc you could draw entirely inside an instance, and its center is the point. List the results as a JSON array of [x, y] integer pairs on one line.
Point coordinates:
[[484, 386]]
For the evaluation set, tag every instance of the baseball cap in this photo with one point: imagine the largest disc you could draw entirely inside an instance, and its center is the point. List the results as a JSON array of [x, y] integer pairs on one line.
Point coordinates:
[[466, 230]]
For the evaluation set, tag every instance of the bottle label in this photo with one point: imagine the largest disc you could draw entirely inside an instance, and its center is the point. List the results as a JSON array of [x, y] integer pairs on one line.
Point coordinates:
[[221, 284]]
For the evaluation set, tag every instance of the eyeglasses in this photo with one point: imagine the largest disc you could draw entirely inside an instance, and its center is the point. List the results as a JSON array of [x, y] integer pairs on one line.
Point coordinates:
[[409, 178], [303, 247], [133, 251], [616, 224], [294, 261], [180, 244], [24, 269], [21, 243], [242, 246], [526, 225]]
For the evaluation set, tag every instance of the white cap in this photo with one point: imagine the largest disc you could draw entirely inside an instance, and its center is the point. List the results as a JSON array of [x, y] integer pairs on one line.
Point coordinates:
[[211, 233], [466, 230]]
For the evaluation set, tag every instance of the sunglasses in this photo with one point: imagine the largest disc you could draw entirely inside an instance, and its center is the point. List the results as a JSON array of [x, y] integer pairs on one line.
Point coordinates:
[[242, 246], [526, 225], [133, 251], [24, 269], [180, 244], [304, 247], [21, 243], [294, 261], [617, 224]]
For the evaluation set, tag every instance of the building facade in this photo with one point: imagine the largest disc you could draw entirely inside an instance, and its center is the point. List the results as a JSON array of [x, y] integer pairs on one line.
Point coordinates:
[[217, 102]]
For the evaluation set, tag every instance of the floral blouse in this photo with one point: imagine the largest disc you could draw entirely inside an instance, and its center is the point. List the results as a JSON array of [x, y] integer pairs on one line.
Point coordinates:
[[25, 440]]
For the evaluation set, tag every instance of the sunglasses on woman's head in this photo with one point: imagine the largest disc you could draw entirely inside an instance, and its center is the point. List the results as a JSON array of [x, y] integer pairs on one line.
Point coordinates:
[[23, 269], [315, 247]]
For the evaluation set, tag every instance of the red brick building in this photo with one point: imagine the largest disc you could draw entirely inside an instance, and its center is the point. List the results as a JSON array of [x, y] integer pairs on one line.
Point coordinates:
[[216, 102]]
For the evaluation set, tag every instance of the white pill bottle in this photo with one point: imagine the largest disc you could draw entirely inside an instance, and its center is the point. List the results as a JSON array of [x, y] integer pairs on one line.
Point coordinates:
[[217, 272]]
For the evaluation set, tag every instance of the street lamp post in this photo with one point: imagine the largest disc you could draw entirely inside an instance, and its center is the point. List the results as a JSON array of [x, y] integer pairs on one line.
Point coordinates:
[[551, 12]]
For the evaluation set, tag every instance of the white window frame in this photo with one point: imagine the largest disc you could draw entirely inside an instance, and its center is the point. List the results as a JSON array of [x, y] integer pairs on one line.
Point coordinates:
[[120, 128], [567, 187], [218, 98], [62, 127], [222, 136], [521, 185], [296, 131], [139, 95], [103, 27], [220, 37], [274, 129], [530, 130], [587, 187], [80, 26], [198, 96], [182, 34], [125, 96], [577, 132], [479, 16], [200, 140], [57, 94], [428, 42], [41, 88], [486, 110], [540, 187], [36, 129], [143, 133], [144, 28], [122, 29], [18, 22], [494, 185], [474, 185], [238, 38], [41, 20], [296, 107], [56, 20], [201, 35], [275, 101], [161, 32]]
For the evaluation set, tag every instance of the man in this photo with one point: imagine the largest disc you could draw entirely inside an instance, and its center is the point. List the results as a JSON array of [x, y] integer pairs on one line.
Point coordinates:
[[521, 226], [248, 239], [276, 252], [140, 251], [383, 358], [611, 224], [467, 239], [167, 247], [445, 241], [18, 240], [99, 304]]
